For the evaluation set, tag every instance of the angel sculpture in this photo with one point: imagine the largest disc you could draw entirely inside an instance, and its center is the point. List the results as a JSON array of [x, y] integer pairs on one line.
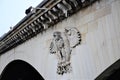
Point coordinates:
[[62, 45]]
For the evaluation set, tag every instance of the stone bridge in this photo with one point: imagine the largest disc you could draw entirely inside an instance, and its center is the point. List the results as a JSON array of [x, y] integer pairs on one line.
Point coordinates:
[[64, 40]]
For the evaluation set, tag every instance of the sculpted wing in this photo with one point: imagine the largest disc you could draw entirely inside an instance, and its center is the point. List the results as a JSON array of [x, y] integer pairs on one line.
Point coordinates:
[[74, 36], [52, 48]]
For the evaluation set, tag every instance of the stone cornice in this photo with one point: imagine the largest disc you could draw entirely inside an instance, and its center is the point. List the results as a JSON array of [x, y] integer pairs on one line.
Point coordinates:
[[35, 23]]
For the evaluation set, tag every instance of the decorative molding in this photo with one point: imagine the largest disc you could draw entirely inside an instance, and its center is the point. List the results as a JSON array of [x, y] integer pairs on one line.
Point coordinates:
[[62, 45], [35, 23]]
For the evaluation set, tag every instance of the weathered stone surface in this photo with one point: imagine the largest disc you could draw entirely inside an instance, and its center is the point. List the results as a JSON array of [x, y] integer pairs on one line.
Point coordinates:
[[102, 12], [99, 26]]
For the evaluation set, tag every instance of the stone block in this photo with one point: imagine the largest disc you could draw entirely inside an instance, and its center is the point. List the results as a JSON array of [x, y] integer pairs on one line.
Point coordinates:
[[92, 26], [83, 29], [86, 19], [102, 12]]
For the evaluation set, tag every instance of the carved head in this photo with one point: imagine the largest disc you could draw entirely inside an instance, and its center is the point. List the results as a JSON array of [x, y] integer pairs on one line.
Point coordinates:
[[57, 35], [68, 30]]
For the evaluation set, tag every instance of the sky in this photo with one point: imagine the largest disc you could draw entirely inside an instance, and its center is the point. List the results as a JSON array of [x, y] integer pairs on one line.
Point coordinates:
[[12, 11]]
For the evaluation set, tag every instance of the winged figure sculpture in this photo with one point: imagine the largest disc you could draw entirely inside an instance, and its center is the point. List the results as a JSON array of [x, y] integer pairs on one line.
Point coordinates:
[[62, 45]]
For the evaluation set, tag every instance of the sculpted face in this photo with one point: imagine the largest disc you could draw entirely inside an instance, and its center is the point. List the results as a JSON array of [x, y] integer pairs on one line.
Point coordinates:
[[57, 35], [68, 31]]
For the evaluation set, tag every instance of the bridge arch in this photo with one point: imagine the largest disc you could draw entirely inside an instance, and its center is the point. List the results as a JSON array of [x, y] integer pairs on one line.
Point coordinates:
[[20, 70], [111, 73]]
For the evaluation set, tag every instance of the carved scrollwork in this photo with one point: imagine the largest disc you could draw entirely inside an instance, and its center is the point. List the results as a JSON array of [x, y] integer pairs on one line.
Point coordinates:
[[62, 45]]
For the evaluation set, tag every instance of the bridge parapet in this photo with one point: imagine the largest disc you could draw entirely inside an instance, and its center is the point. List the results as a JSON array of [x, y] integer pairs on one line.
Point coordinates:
[[35, 23]]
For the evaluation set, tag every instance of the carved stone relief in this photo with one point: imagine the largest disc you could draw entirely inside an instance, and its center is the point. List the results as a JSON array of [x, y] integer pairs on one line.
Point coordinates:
[[62, 45]]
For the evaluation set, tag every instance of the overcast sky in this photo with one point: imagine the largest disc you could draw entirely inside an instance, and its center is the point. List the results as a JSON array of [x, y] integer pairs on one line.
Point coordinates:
[[12, 11]]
